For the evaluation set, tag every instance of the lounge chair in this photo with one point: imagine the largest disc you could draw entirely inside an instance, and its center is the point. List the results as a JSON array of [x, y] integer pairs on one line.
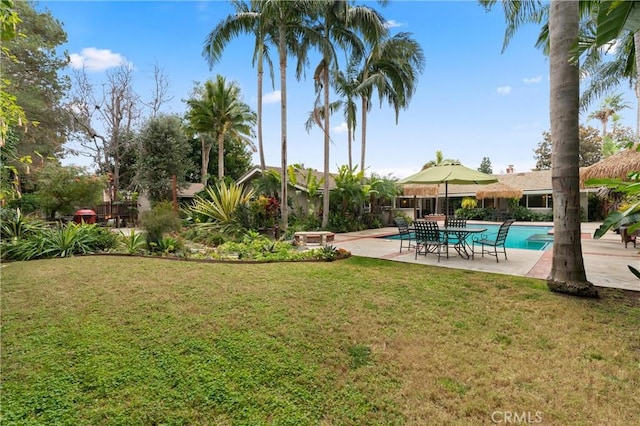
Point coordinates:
[[498, 241], [405, 233], [429, 239]]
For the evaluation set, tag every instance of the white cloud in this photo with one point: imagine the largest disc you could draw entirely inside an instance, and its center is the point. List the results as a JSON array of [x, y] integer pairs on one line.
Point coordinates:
[[391, 23], [96, 59], [271, 98], [504, 90], [342, 128], [533, 80]]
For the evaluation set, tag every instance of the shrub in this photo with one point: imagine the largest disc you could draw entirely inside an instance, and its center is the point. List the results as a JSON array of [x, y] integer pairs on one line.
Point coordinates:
[[159, 220], [134, 242]]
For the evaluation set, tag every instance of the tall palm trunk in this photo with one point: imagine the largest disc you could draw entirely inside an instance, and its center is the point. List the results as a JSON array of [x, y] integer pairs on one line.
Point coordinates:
[[206, 150], [259, 122], [325, 194], [282, 52], [636, 43], [365, 102], [221, 156], [350, 144], [567, 271]]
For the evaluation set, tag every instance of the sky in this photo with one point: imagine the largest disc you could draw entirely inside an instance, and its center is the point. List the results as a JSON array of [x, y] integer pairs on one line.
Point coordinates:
[[472, 101]]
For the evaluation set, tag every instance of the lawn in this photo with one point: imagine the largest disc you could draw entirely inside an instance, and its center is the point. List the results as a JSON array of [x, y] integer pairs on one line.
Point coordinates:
[[118, 340]]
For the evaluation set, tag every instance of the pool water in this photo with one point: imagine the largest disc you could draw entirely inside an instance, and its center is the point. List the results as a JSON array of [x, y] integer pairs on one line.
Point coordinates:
[[526, 237]]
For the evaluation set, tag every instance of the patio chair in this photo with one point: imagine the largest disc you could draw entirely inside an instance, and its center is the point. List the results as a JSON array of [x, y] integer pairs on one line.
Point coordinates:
[[429, 239], [493, 244], [405, 233], [454, 222]]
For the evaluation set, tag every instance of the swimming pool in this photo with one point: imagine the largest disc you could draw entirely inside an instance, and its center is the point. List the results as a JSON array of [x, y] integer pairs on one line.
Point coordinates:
[[526, 237]]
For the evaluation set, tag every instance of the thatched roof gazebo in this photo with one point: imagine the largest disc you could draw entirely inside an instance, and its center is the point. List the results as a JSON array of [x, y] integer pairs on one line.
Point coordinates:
[[498, 190], [618, 166], [419, 190]]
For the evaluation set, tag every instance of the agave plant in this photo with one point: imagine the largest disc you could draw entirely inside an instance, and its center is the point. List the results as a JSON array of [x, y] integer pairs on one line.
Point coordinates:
[[220, 210], [134, 241], [16, 226]]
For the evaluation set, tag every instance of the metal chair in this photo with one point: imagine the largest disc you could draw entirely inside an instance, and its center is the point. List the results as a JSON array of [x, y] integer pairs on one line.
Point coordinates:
[[499, 241], [429, 239], [404, 232]]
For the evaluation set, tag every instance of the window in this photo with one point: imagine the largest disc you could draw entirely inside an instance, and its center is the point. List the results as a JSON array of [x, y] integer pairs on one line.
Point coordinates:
[[539, 201]]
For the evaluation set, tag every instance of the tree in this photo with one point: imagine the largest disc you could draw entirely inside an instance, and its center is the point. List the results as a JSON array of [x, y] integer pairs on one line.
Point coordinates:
[[485, 166], [590, 150], [391, 68], [63, 190], [221, 113], [247, 19], [163, 150], [30, 79], [609, 108], [237, 158], [338, 25], [567, 272]]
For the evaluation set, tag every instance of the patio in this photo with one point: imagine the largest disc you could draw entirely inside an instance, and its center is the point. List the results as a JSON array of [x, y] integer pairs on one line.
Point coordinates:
[[605, 259]]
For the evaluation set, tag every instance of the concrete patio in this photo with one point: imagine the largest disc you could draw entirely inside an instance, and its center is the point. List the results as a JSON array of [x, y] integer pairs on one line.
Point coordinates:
[[605, 259]]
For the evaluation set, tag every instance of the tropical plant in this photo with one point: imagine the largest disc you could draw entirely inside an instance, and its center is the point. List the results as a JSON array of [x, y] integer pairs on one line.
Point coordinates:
[[338, 26], [567, 271], [220, 111], [219, 209], [391, 69], [14, 225], [134, 242], [469, 203], [382, 190], [609, 109]]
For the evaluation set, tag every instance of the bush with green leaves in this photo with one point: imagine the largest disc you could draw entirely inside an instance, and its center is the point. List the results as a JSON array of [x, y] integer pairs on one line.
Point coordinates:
[[158, 221], [200, 235], [62, 241], [134, 242], [221, 208], [14, 225]]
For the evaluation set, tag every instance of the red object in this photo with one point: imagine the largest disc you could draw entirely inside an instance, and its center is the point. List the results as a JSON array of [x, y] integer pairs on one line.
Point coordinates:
[[86, 215]]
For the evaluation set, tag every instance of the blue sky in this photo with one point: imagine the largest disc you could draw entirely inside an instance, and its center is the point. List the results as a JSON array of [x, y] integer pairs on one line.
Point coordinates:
[[472, 101]]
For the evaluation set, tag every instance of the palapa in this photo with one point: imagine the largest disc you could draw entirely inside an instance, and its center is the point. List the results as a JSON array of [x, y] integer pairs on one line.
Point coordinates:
[[420, 190], [618, 166], [498, 190]]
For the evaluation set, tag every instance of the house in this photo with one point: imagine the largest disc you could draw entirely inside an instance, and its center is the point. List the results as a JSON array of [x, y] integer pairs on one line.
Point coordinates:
[[298, 188], [535, 186]]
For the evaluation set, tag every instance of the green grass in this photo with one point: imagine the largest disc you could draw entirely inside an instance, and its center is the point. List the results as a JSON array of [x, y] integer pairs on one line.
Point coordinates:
[[116, 340]]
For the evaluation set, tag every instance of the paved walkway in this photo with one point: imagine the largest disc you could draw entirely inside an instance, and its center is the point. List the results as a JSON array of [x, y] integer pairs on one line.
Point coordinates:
[[605, 259]]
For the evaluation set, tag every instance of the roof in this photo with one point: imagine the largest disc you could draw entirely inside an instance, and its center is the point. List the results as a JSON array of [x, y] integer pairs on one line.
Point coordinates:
[[191, 190], [256, 172], [534, 182]]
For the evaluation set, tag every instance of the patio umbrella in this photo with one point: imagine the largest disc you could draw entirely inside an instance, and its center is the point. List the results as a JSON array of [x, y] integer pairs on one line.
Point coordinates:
[[498, 190], [618, 165], [449, 172]]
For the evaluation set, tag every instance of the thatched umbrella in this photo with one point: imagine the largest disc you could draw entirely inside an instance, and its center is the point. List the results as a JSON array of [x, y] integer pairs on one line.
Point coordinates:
[[420, 190], [498, 190], [618, 165]]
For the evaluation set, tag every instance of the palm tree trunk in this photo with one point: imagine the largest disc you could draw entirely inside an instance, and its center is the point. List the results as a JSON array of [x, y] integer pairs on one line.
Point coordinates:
[[221, 156], [259, 123], [204, 169], [567, 271], [282, 51], [636, 43], [325, 194], [365, 102], [349, 144]]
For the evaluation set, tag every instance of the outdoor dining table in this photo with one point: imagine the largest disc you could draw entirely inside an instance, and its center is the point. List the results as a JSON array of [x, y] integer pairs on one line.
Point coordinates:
[[461, 244]]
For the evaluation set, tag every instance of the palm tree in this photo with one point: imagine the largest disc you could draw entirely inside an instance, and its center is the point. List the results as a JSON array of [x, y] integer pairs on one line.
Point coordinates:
[[567, 269], [220, 112], [247, 19], [391, 68], [567, 272], [345, 85], [338, 25], [609, 108]]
